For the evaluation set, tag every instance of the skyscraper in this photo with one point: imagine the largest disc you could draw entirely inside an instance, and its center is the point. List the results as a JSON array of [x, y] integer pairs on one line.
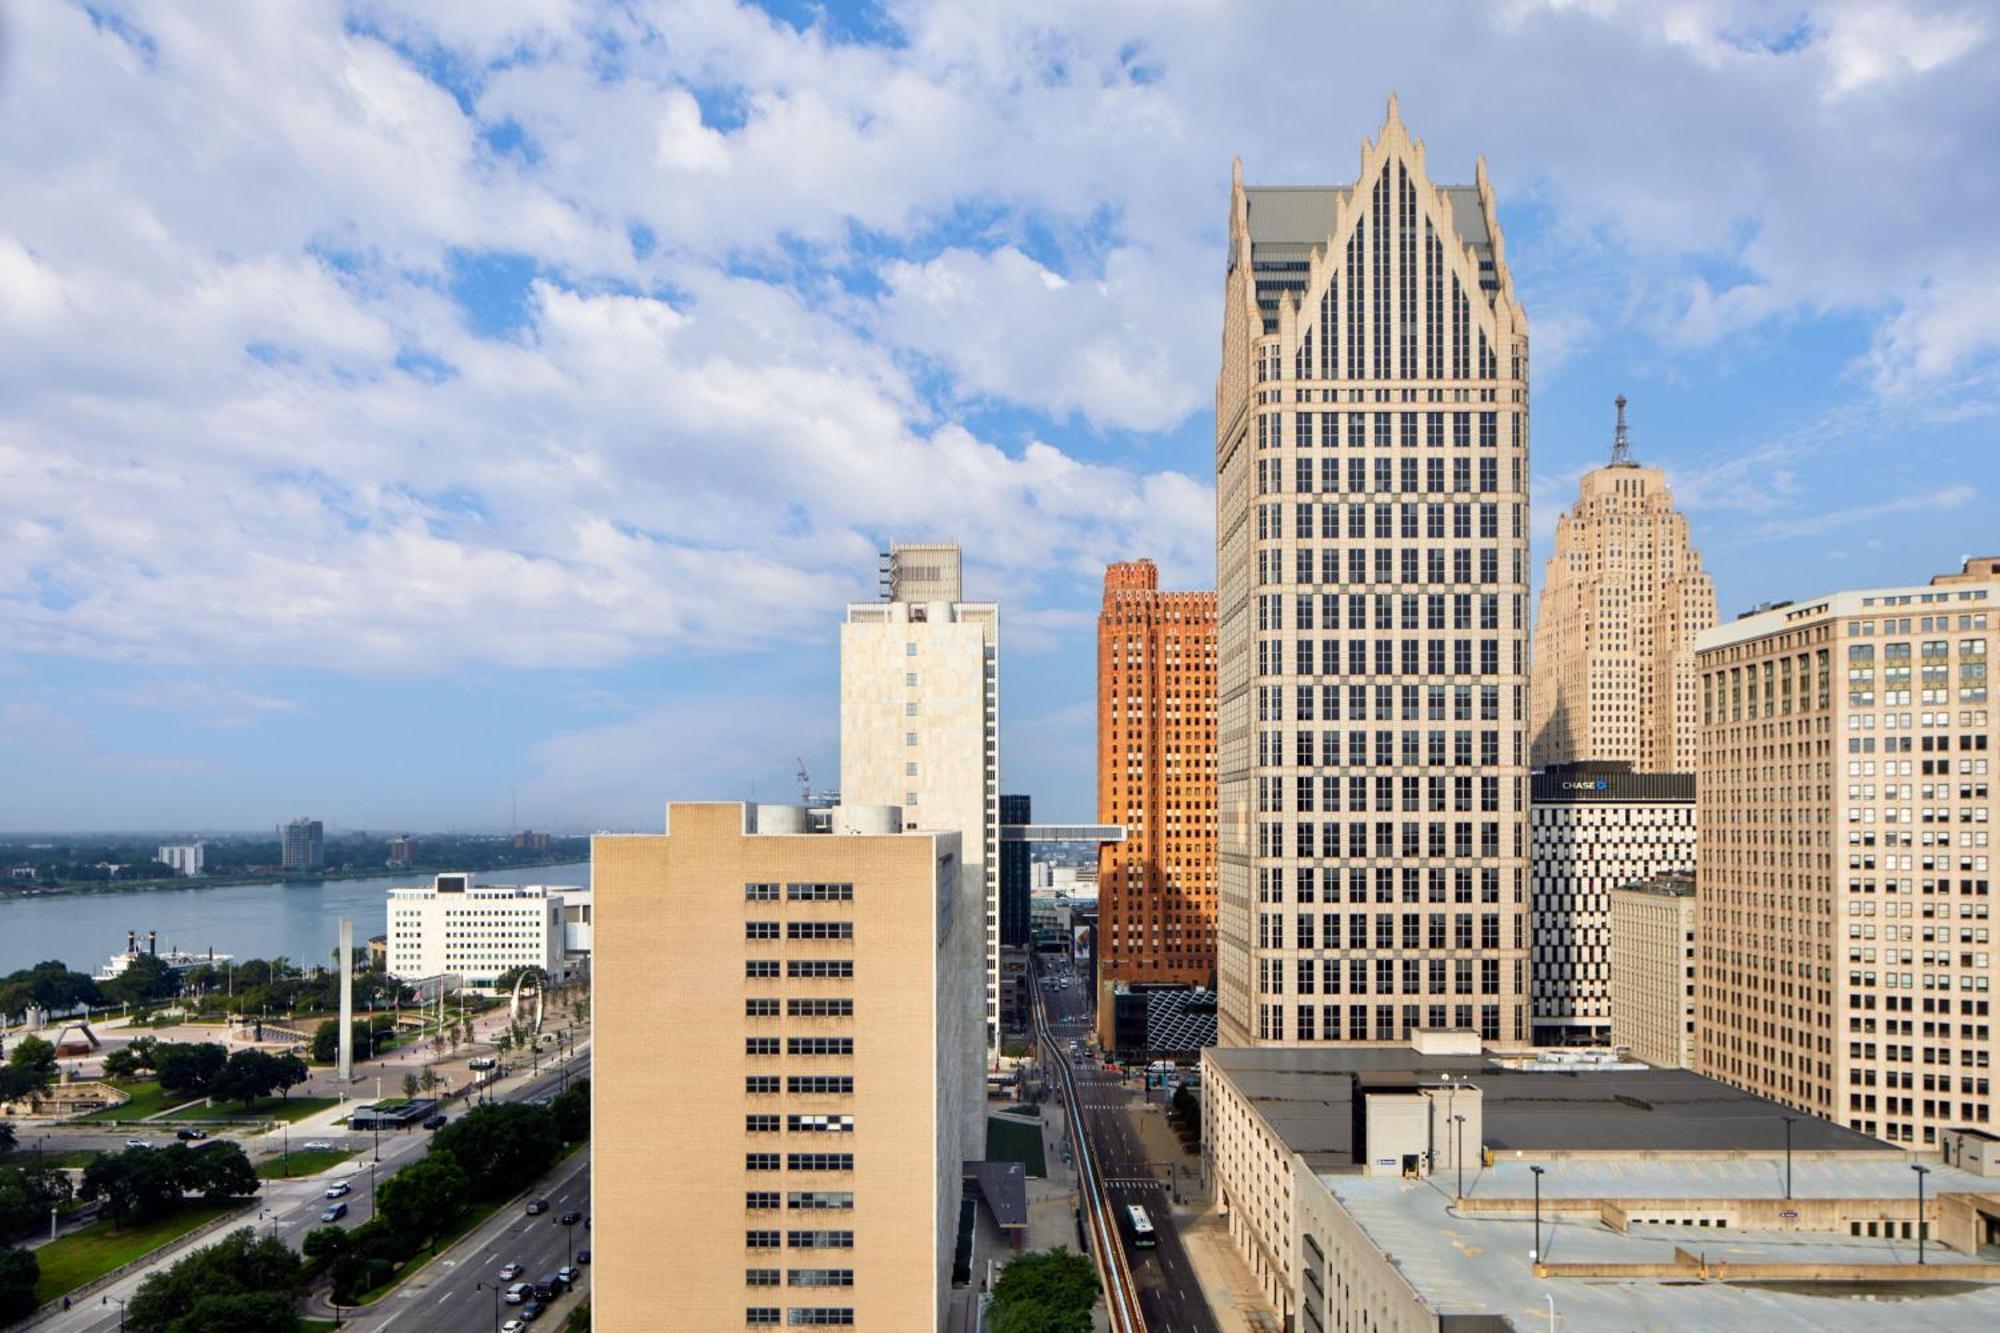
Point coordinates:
[[1624, 598], [1371, 564], [1156, 777], [787, 1050], [303, 844], [920, 718], [1844, 797], [1014, 874]]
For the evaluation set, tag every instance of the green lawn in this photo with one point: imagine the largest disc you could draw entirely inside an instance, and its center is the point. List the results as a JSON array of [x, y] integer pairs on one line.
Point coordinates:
[[288, 1109], [78, 1157], [304, 1162], [79, 1257], [147, 1099]]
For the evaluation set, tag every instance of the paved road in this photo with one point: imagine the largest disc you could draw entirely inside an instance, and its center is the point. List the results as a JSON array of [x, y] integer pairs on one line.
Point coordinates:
[[288, 1209], [1169, 1294]]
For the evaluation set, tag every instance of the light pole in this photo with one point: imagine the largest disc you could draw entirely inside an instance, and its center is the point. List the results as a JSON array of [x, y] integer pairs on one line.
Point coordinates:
[[1921, 1171], [495, 1289], [1458, 1154], [121, 1309], [1535, 1255], [52, 1221], [1789, 1121]]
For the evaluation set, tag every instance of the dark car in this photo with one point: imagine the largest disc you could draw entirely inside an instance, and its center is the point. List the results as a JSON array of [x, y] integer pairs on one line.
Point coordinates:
[[570, 1218], [583, 1256], [536, 1207], [434, 1122], [532, 1311], [189, 1135]]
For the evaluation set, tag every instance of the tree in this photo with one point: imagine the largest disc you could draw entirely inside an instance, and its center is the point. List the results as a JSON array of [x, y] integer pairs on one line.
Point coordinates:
[[239, 1312], [19, 1272], [1046, 1291], [6, 1137], [326, 1039], [186, 1069], [35, 1058], [428, 1079], [236, 1266], [244, 1077], [144, 978], [121, 1063], [26, 1195], [410, 1084], [221, 1172], [571, 1110], [291, 1071], [140, 1183], [323, 1245], [424, 1198], [498, 1146]]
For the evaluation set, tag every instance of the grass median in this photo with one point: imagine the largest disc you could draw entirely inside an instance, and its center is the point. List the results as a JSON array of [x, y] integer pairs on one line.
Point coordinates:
[[291, 1110], [302, 1162], [89, 1253]]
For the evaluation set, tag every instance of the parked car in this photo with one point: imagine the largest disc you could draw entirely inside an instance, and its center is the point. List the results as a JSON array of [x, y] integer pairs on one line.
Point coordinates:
[[481, 1062], [536, 1207], [532, 1311], [583, 1256], [189, 1135], [318, 1145], [570, 1218], [508, 1272], [519, 1292], [434, 1122], [568, 1274], [512, 1326], [338, 1189], [333, 1212]]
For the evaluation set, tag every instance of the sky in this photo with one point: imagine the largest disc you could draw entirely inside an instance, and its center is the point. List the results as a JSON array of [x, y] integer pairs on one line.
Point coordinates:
[[466, 413]]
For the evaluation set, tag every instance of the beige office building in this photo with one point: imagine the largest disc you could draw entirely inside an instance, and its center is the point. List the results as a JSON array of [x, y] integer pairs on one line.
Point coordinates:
[[920, 719], [1652, 970], [1623, 599], [783, 1063], [1844, 886], [1372, 604]]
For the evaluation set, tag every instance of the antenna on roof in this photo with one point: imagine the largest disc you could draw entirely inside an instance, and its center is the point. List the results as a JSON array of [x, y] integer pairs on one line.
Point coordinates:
[[1621, 448]]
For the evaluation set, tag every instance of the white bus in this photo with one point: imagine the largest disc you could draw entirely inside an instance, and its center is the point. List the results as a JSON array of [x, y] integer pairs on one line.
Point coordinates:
[[1141, 1227]]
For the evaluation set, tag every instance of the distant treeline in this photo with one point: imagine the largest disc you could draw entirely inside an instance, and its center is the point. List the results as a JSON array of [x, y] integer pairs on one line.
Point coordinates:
[[88, 860]]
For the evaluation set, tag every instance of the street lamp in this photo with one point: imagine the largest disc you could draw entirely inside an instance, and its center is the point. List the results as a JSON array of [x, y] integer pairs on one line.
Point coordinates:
[[1535, 1255], [1789, 1121], [495, 1289], [1458, 1154], [121, 1310], [1921, 1171]]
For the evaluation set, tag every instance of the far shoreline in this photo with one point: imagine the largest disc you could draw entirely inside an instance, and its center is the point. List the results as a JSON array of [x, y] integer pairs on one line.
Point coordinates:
[[10, 893]]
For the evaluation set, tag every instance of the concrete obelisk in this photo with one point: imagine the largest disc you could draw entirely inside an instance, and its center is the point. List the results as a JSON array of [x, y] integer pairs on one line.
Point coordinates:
[[345, 1073]]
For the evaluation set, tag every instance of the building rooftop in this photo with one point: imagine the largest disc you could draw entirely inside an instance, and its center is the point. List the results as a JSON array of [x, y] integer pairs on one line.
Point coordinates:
[[1306, 1094], [1464, 1263]]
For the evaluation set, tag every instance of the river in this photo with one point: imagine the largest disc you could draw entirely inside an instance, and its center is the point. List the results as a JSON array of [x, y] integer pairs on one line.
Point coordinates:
[[298, 921]]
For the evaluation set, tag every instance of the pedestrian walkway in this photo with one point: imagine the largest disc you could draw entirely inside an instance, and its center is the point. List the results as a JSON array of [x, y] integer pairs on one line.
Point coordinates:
[[1227, 1284]]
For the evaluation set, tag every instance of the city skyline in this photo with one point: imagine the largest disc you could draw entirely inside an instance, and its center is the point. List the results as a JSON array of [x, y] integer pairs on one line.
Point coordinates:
[[276, 532]]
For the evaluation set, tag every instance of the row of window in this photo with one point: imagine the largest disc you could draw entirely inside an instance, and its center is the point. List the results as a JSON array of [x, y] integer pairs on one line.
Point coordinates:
[[799, 1124], [808, 1008], [1325, 1022], [799, 1240], [797, 1316], [1408, 565], [1387, 476], [799, 1046], [1392, 430], [799, 893], [799, 930], [761, 1201], [1408, 703], [816, 1085], [800, 1277], [799, 1161], [1419, 976], [1460, 520], [798, 969]]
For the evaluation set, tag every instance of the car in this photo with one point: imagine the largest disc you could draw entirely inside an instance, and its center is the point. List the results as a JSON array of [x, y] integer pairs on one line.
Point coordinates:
[[508, 1272], [583, 1256], [481, 1062], [137, 1143], [570, 1218], [519, 1292], [567, 1273], [333, 1212], [318, 1145], [189, 1135], [512, 1326], [337, 1189], [536, 1207], [434, 1122], [532, 1311]]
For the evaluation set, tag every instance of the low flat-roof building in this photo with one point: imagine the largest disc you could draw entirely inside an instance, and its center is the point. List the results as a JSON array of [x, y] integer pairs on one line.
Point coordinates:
[[1441, 1187]]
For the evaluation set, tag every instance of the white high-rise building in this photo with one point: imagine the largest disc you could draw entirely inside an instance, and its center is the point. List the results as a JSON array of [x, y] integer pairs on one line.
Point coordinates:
[[479, 931], [920, 719], [185, 857], [1371, 457]]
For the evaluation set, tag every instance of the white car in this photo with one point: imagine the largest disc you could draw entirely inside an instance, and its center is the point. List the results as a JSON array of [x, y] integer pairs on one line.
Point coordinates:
[[338, 1189], [318, 1145], [519, 1292], [512, 1326], [509, 1272], [137, 1143]]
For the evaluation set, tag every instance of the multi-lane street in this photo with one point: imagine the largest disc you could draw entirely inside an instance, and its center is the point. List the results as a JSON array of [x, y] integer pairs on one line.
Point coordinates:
[[288, 1209], [1170, 1296]]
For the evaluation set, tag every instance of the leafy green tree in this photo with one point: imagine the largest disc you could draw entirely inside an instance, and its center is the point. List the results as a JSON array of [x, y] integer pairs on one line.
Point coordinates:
[[221, 1172], [239, 1312], [138, 1183], [410, 1084], [19, 1272], [323, 1245], [326, 1039], [146, 978], [31, 1067], [26, 1195], [186, 1069], [498, 1146], [1046, 1291], [121, 1063], [571, 1110], [238, 1265], [291, 1071], [424, 1198]]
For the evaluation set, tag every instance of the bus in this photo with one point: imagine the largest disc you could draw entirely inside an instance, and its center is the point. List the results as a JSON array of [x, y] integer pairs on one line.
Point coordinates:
[[1141, 1226]]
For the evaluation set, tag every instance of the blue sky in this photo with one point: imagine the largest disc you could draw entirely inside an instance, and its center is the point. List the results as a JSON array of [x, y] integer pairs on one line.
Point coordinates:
[[407, 410]]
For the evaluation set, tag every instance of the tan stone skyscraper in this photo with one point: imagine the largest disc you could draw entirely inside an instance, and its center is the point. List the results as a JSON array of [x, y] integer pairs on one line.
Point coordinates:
[[1156, 777], [1371, 461], [1614, 639], [1844, 890]]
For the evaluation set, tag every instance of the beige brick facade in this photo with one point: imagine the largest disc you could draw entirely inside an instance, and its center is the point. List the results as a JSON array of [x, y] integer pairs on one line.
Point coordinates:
[[1843, 893], [1652, 970]]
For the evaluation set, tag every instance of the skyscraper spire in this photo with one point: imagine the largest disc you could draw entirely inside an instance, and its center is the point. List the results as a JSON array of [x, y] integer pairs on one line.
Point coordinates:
[[1621, 448]]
